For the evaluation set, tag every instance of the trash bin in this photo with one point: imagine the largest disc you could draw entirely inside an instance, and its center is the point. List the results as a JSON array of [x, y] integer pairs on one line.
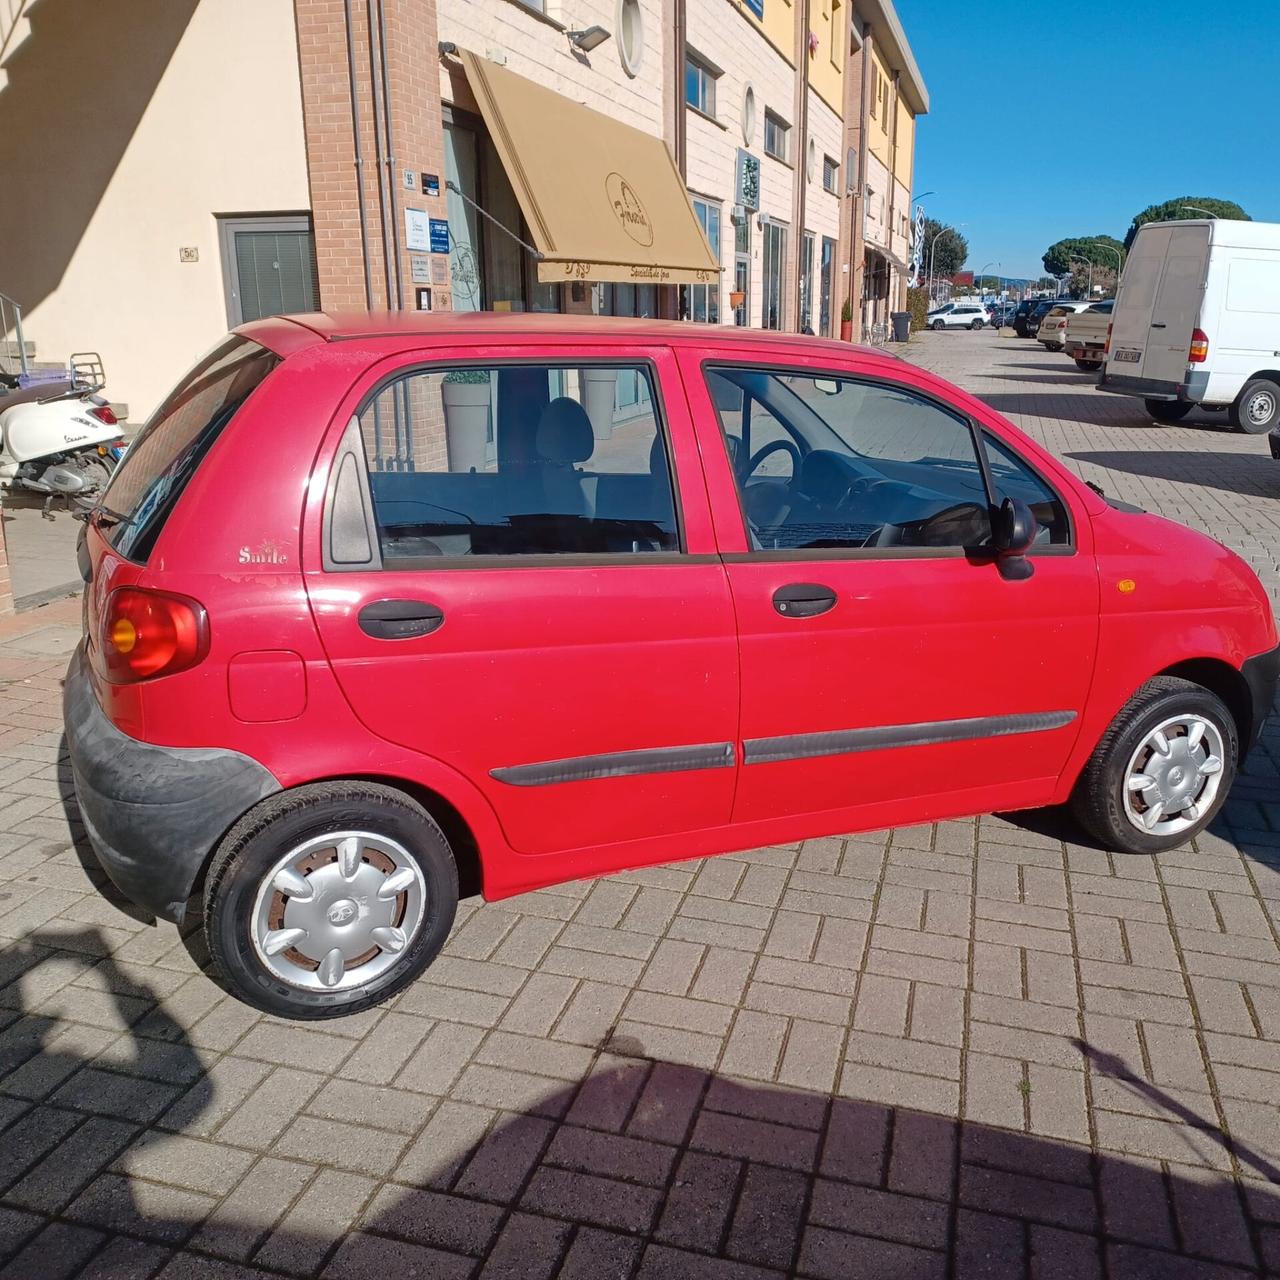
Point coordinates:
[[901, 325]]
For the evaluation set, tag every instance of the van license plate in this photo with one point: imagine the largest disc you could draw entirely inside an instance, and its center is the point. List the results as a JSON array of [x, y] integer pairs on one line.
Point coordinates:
[[1127, 357]]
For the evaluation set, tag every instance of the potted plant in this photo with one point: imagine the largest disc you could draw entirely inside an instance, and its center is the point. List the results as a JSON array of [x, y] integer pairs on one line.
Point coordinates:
[[465, 393], [736, 298], [846, 321]]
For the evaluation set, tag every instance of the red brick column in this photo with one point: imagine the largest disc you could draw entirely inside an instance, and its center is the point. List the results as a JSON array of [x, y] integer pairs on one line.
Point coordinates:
[[413, 108]]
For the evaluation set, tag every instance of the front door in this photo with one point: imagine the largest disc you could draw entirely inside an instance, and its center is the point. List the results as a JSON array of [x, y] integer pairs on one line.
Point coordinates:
[[889, 670], [534, 611]]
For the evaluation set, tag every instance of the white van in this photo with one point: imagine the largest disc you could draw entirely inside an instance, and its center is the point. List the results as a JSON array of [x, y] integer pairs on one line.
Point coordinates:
[[1197, 321]]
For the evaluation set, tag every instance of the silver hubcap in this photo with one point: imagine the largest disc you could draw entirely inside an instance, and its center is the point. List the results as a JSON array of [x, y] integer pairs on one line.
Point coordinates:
[[1173, 778], [337, 911], [1261, 407]]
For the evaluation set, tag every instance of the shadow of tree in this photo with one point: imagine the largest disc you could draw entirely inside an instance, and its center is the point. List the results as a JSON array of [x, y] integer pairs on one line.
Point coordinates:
[[633, 1166]]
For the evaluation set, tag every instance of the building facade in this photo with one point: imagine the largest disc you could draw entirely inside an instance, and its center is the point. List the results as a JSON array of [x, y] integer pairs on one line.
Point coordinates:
[[234, 158]]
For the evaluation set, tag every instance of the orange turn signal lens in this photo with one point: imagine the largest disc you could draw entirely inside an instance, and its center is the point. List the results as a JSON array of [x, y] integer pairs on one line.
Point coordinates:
[[124, 635]]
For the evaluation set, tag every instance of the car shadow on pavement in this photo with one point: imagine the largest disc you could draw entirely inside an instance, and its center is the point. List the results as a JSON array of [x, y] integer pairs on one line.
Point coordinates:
[[1249, 474], [1101, 410], [113, 1155]]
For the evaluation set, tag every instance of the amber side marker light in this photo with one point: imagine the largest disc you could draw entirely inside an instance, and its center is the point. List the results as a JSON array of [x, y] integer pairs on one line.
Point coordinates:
[[1126, 586], [151, 633]]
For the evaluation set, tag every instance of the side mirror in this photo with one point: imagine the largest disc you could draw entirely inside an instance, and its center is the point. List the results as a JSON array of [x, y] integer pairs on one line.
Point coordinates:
[[1013, 534]]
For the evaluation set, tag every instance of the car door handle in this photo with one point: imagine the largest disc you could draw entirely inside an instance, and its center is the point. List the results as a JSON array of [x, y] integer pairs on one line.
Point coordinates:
[[803, 600], [399, 619], [1159, 326]]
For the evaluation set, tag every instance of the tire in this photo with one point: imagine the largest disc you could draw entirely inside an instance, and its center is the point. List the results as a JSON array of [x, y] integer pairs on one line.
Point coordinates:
[[976, 325], [382, 833], [1088, 366], [1102, 800], [1257, 408], [1168, 410], [937, 326]]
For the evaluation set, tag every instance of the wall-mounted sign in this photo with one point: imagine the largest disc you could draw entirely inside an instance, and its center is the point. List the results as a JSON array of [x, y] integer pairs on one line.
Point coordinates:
[[189, 254], [424, 299], [439, 235], [430, 184], [410, 180], [419, 269], [417, 230], [747, 186], [439, 272]]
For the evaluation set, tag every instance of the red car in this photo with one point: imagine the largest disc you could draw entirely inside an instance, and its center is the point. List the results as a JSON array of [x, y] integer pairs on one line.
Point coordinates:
[[387, 608]]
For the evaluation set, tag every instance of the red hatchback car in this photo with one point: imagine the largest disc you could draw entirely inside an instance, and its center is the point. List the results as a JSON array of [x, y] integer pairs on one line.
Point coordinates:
[[379, 607]]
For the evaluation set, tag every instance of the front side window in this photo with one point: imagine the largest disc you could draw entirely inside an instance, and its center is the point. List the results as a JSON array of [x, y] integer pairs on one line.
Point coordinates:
[[514, 460], [699, 85], [826, 462]]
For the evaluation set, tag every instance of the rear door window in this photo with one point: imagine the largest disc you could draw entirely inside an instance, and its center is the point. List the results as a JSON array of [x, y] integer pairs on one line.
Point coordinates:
[[519, 460], [167, 453]]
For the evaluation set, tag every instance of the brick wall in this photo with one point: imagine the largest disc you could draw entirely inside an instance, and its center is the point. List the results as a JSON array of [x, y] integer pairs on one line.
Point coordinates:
[[412, 78]]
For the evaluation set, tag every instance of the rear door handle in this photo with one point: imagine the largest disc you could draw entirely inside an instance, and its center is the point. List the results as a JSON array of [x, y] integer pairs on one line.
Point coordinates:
[[399, 619], [1159, 326], [803, 600]]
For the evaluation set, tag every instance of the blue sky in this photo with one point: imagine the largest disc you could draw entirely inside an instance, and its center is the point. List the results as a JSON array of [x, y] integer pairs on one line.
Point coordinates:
[[1183, 99]]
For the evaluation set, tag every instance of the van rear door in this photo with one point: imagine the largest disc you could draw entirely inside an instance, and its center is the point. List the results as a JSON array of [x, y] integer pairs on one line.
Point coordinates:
[[1158, 304]]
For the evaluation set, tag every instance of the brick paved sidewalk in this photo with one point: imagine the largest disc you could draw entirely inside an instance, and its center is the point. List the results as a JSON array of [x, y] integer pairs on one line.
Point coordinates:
[[970, 1049]]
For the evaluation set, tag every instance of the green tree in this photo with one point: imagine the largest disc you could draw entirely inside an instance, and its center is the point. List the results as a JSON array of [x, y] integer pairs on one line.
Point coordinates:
[[949, 252], [1177, 211], [1057, 257]]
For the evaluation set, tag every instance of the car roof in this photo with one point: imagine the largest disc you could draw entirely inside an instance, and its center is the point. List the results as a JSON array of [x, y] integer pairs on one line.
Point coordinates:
[[277, 332]]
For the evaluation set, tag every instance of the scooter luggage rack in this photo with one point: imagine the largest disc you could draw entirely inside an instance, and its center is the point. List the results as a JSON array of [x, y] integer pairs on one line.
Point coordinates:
[[87, 371]]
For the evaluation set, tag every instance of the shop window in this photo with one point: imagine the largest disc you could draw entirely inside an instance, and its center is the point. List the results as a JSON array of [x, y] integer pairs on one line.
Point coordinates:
[[702, 301], [775, 255]]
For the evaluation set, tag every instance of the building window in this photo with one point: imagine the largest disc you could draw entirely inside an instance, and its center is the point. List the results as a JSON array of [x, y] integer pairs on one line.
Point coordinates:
[[875, 91], [775, 254], [630, 36], [830, 174], [748, 115], [776, 137], [538, 6], [702, 301], [268, 267], [700, 84]]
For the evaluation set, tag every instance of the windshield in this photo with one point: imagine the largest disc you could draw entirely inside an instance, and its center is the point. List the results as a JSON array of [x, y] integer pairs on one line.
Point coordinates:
[[161, 461]]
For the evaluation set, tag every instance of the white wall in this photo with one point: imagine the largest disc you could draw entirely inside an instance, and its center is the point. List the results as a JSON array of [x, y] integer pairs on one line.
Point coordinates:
[[221, 133]]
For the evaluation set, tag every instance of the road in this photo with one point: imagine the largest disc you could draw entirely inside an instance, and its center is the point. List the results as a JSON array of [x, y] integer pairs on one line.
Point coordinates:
[[981, 1048]]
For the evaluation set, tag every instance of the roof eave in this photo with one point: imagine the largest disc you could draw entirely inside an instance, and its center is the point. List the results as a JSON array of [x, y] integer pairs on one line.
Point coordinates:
[[886, 28]]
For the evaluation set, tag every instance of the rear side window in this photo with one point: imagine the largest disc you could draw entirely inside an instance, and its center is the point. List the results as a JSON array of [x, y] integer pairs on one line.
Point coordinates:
[[168, 451], [519, 460]]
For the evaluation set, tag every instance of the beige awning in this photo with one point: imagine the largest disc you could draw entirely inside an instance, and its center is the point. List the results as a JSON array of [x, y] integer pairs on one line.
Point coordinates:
[[603, 201]]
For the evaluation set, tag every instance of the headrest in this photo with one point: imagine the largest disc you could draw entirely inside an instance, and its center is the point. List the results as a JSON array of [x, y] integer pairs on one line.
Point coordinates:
[[824, 477], [564, 433]]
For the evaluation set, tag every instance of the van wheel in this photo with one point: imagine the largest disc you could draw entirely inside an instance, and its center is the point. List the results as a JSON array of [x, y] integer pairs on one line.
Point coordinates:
[[1088, 366], [1257, 407], [1168, 410], [1162, 770], [328, 899]]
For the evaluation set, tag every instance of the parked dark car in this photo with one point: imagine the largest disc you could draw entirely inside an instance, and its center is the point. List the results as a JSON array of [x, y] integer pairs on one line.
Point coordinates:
[[1038, 313], [1001, 313], [1019, 316]]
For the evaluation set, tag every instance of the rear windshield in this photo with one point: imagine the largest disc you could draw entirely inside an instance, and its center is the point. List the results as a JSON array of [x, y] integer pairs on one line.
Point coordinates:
[[169, 449]]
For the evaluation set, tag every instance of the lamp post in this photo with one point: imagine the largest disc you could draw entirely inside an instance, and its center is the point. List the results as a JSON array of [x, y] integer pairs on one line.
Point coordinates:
[[977, 280], [1195, 208], [1110, 248], [933, 244]]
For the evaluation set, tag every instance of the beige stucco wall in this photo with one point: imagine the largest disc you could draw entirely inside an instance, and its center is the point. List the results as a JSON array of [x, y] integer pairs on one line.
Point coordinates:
[[194, 110]]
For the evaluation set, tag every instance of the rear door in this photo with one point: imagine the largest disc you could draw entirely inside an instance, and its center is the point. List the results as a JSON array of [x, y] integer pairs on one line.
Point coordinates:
[[514, 575]]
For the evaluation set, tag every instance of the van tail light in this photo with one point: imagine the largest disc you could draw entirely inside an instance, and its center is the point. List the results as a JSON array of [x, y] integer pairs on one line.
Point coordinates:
[[151, 633], [1199, 352], [1106, 346], [104, 414]]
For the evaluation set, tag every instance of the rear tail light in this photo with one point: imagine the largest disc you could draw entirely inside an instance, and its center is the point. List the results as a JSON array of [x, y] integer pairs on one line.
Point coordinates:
[[104, 414], [151, 633], [1199, 352], [1106, 346]]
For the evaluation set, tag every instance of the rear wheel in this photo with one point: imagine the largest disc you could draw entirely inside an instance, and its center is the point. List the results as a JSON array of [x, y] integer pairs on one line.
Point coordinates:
[[1088, 366], [937, 326], [329, 899], [1257, 408], [1168, 410], [1162, 770], [976, 325]]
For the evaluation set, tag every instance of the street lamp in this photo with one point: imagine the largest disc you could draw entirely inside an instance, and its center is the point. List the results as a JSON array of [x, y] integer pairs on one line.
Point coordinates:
[[977, 280], [1110, 248], [933, 244], [1195, 208]]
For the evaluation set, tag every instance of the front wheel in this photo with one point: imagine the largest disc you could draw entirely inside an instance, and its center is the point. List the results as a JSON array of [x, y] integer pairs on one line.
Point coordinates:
[[1257, 408], [1162, 770], [328, 899], [937, 326], [1168, 410]]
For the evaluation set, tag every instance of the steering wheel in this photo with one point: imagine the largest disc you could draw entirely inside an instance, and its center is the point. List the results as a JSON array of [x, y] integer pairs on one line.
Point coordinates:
[[774, 446]]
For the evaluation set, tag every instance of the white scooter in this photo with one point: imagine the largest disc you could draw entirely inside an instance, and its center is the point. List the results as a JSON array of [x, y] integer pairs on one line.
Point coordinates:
[[63, 440]]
